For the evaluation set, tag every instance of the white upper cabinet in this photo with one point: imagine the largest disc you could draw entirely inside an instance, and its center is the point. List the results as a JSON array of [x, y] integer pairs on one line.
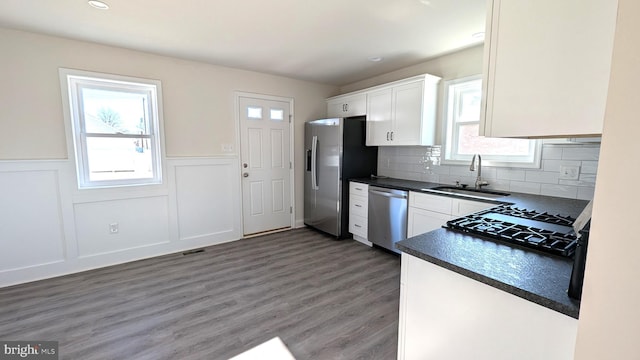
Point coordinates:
[[546, 67], [379, 109], [347, 105], [403, 112]]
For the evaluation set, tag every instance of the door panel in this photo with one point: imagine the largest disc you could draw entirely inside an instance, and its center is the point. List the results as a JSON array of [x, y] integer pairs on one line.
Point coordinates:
[[257, 198], [408, 111], [265, 150], [379, 114], [329, 147], [255, 148], [277, 189], [309, 192], [277, 151]]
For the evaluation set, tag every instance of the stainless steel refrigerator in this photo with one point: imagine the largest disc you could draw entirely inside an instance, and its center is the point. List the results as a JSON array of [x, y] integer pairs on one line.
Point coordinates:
[[335, 152]]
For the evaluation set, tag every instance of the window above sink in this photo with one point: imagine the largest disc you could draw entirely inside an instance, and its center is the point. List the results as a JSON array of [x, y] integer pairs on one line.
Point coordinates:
[[461, 119]]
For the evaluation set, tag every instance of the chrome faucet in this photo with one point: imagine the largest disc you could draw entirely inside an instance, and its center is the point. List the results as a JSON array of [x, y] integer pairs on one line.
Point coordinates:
[[479, 182]]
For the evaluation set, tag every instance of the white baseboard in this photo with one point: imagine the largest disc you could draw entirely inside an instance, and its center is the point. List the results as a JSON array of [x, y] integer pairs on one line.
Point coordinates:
[[299, 223], [362, 240], [198, 206]]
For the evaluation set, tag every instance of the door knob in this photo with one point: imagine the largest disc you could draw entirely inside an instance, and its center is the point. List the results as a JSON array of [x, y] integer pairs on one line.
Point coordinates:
[[245, 165], [245, 175]]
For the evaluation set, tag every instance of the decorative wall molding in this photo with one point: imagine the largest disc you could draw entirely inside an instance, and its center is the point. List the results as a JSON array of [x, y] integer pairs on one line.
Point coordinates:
[[50, 228], [207, 198]]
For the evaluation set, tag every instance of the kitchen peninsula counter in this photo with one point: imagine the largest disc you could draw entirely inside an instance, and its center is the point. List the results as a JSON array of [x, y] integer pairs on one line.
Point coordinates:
[[534, 276]]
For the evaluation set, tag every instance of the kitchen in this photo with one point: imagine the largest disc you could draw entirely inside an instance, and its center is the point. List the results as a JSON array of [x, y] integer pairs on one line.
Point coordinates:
[[418, 175], [607, 321]]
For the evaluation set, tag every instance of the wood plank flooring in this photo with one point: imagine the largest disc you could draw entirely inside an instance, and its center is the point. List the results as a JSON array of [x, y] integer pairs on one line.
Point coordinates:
[[326, 299]]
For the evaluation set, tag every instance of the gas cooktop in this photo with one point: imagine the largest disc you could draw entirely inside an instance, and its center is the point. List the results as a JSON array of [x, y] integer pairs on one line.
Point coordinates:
[[542, 231]]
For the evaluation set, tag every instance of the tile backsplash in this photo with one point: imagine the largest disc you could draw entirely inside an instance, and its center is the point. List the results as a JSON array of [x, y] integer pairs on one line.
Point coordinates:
[[422, 163]]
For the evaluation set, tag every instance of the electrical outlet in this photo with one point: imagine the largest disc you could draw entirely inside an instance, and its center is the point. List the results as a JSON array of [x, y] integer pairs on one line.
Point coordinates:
[[569, 172], [114, 228]]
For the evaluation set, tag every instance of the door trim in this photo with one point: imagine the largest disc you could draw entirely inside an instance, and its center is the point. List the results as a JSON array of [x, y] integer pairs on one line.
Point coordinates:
[[241, 94]]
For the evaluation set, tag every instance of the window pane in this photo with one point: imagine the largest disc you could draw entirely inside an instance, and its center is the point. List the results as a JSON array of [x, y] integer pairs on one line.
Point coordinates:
[[470, 143], [254, 112], [119, 158], [277, 114], [468, 105], [114, 112]]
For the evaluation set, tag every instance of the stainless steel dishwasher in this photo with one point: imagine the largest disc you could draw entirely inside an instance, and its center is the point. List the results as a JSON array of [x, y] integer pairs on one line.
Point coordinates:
[[387, 217]]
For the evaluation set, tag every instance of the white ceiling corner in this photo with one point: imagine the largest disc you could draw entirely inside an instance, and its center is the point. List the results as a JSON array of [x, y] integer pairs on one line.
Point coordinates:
[[326, 41]]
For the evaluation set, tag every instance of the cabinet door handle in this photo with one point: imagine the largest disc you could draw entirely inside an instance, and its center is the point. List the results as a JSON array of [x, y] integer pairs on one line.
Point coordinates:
[[356, 225], [387, 136], [392, 136], [360, 189], [358, 205]]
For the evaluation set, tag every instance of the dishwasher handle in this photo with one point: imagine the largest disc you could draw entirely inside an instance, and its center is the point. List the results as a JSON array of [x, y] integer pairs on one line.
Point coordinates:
[[388, 194]]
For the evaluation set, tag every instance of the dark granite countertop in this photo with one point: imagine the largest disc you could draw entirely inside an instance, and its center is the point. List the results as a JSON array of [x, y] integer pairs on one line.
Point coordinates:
[[550, 204], [531, 275]]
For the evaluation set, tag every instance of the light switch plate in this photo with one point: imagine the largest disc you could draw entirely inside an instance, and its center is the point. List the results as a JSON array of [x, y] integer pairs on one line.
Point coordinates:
[[569, 172], [227, 148]]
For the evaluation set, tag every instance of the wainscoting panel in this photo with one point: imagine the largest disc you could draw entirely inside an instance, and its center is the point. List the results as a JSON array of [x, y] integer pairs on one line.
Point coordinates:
[[207, 199], [50, 228], [136, 223], [31, 227]]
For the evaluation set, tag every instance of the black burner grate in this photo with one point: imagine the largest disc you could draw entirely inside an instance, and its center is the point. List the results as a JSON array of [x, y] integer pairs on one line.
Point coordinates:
[[534, 215], [542, 231]]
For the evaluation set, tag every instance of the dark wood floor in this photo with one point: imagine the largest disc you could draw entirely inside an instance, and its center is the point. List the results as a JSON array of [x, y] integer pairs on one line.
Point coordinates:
[[326, 299]]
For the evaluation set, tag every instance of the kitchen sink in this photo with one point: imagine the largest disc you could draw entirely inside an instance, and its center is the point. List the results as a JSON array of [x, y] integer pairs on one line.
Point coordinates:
[[479, 193]]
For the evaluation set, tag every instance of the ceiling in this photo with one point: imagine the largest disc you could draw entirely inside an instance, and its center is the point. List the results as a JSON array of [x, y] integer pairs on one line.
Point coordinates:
[[326, 41]]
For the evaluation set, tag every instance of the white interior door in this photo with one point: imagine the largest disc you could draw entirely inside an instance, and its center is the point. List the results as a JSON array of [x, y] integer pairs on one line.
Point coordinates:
[[266, 164]]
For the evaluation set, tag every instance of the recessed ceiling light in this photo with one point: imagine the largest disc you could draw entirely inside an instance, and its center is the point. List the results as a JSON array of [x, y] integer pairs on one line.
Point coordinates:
[[478, 35], [425, 2], [98, 4], [375, 59]]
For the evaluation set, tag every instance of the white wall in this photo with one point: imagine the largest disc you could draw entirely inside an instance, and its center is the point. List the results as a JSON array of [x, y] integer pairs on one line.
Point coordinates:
[[459, 64], [456, 65], [49, 228], [610, 316]]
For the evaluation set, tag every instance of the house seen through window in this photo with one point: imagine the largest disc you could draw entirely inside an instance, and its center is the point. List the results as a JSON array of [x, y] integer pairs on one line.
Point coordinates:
[[462, 122], [116, 129]]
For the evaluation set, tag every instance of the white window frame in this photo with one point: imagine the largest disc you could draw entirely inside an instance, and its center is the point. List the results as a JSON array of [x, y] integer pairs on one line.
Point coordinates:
[[450, 136], [71, 81]]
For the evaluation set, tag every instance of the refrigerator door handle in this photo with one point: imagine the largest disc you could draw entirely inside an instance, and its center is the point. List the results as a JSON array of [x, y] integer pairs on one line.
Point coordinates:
[[314, 163]]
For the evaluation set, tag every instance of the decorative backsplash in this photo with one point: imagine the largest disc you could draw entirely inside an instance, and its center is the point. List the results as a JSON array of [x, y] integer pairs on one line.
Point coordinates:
[[422, 163]]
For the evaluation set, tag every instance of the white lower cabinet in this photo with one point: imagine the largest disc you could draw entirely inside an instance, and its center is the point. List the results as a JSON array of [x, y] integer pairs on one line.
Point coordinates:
[[422, 221], [461, 207], [429, 212], [448, 316], [358, 211]]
